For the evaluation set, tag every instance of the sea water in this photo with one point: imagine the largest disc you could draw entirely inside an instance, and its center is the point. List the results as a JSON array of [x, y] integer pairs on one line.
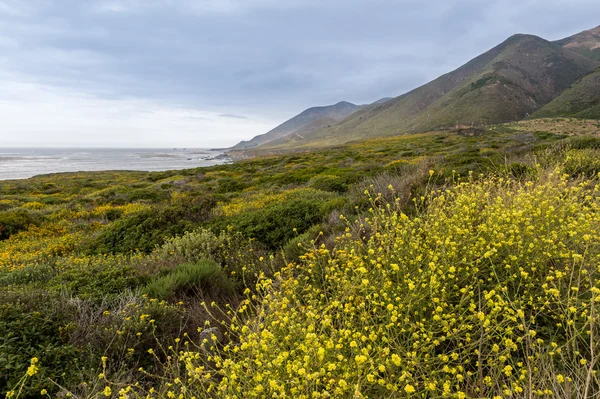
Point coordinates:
[[22, 163]]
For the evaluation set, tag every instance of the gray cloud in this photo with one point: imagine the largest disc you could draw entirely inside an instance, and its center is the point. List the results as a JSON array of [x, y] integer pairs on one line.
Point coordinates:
[[264, 59], [233, 116]]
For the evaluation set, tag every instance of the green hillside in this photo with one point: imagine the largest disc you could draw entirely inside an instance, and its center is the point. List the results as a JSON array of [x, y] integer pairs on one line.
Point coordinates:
[[582, 100], [507, 83]]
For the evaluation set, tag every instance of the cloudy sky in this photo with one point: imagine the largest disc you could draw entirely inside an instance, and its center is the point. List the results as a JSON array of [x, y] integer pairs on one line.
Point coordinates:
[[209, 73]]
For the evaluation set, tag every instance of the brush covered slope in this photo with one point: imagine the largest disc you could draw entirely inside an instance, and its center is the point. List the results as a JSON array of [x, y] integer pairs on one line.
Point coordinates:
[[303, 123], [110, 282], [508, 83], [581, 100], [586, 43]]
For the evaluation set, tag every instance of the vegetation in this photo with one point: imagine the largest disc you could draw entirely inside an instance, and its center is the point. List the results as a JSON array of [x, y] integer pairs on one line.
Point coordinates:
[[492, 291], [205, 276], [581, 100], [457, 264]]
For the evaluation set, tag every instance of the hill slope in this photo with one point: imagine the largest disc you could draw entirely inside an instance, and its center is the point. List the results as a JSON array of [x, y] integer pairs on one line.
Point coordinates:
[[586, 43], [509, 82], [306, 121], [582, 100]]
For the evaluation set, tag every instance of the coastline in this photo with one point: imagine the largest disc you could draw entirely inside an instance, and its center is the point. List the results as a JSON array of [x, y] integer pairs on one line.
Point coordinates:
[[25, 163]]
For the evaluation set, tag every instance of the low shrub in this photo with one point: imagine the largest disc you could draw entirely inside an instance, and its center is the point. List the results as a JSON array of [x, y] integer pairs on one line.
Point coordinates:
[[520, 170], [204, 276], [582, 162], [30, 328], [582, 142], [14, 221], [303, 243], [97, 282], [401, 182], [145, 230], [237, 255], [277, 223], [334, 184], [195, 246]]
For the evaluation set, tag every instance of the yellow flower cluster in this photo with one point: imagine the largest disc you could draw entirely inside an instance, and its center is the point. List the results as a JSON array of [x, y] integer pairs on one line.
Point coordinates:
[[491, 291], [259, 200]]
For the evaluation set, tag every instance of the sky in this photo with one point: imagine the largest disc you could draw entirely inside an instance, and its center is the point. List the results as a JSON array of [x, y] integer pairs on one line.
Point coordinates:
[[209, 73]]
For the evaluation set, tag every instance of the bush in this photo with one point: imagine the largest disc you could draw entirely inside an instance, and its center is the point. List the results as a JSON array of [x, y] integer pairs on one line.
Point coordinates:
[[519, 170], [583, 142], [237, 255], [31, 274], [277, 223], [230, 184], [404, 181], [582, 162], [301, 244], [14, 221], [335, 184], [195, 246], [97, 282], [145, 230], [204, 276], [30, 327]]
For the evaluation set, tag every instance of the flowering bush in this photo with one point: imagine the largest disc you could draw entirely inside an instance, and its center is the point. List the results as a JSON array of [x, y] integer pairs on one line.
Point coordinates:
[[492, 291]]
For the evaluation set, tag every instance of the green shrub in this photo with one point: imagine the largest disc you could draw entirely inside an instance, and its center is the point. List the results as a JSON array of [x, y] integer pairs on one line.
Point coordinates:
[[147, 194], [237, 255], [147, 229], [329, 183], [205, 276], [41, 273], [14, 221], [230, 185], [195, 246], [277, 223], [519, 170], [582, 162], [304, 242], [30, 327], [97, 282], [583, 142]]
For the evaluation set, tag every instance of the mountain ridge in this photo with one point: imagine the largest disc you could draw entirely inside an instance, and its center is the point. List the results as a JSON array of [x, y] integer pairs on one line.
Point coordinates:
[[586, 43], [310, 118], [509, 82]]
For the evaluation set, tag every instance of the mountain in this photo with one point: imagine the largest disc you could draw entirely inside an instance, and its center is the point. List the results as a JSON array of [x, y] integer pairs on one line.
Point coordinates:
[[507, 83], [586, 43], [304, 123], [581, 100]]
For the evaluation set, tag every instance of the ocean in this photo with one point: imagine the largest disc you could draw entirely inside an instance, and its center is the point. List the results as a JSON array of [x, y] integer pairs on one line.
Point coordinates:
[[22, 163]]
